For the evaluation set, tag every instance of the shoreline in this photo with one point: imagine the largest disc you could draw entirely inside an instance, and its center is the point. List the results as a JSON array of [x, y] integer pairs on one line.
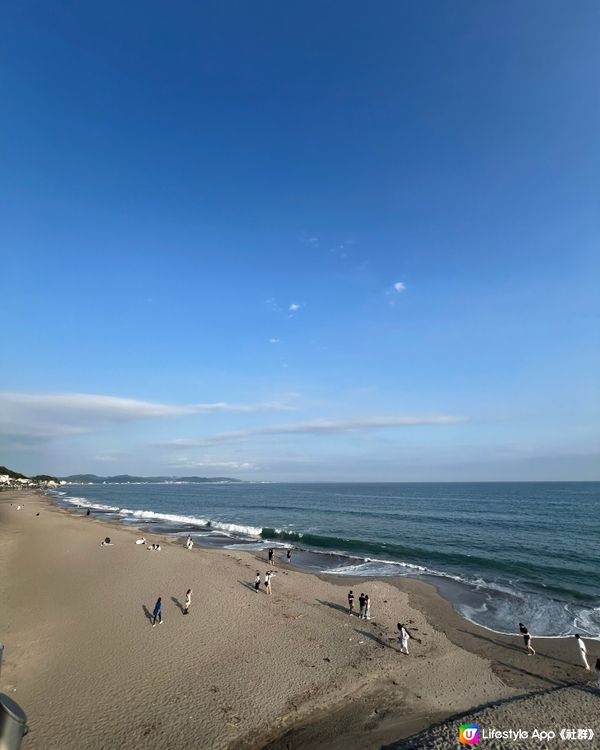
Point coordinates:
[[486, 601], [361, 694]]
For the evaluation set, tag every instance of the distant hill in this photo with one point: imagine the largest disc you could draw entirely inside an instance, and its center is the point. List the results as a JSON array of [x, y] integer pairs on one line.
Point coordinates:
[[125, 478], [12, 474], [37, 478]]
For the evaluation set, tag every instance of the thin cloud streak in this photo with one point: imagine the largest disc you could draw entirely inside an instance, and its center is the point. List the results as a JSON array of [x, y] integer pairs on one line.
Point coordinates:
[[45, 417], [318, 427], [190, 463]]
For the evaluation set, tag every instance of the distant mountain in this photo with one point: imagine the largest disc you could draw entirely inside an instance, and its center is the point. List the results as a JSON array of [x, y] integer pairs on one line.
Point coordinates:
[[12, 474], [125, 478]]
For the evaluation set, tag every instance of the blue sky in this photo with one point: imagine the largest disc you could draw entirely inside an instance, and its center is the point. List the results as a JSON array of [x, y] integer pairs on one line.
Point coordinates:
[[311, 241]]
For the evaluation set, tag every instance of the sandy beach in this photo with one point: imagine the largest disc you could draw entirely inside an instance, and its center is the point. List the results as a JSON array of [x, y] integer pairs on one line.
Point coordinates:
[[247, 670]]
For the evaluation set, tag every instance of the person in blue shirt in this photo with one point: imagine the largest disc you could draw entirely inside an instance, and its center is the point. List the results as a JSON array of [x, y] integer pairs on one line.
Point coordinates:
[[156, 612]]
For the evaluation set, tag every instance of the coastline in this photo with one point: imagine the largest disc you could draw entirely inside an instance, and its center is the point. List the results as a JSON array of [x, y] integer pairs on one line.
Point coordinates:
[[242, 670], [508, 578]]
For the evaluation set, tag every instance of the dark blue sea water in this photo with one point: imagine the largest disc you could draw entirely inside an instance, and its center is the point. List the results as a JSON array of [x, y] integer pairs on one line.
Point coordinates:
[[502, 552]]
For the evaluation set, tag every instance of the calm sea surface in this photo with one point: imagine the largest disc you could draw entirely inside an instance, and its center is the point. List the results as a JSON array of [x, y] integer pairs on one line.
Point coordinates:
[[502, 552]]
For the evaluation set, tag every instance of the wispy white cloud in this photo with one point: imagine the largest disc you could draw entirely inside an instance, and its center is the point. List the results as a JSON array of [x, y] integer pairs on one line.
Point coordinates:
[[400, 286], [273, 304], [192, 463], [319, 427], [294, 307], [115, 408], [274, 340], [109, 457], [45, 416]]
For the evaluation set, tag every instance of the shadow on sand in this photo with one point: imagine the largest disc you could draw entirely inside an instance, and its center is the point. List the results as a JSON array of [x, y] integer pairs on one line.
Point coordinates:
[[334, 605], [147, 613], [177, 603], [513, 647], [247, 585], [373, 637]]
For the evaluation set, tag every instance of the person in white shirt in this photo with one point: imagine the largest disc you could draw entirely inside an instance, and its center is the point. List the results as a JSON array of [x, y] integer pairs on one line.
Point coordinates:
[[188, 601], [582, 651], [404, 637], [268, 576]]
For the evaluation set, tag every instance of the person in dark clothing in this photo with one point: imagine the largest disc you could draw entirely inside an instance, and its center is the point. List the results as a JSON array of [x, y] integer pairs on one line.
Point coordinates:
[[527, 639], [289, 555], [271, 557], [156, 615], [350, 602], [361, 602], [257, 582]]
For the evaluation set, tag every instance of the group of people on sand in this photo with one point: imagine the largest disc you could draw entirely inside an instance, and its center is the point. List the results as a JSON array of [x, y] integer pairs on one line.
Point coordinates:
[[580, 644], [268, 576], [364, 603], [157, 611], [271, 555], [155, 547], [364, 613]]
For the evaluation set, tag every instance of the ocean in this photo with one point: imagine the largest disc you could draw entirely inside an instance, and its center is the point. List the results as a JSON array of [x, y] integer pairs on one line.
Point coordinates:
[[502, 553]]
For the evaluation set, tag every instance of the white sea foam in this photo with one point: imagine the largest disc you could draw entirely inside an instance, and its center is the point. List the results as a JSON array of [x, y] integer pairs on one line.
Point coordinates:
[[84, 503], [170, 518], [371, 566], [236, 528]]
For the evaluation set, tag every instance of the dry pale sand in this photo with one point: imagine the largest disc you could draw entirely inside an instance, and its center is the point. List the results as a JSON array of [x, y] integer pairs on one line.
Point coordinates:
[[242, 670]]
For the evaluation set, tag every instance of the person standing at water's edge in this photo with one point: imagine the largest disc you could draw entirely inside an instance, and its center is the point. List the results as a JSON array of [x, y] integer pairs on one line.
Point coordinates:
[[582, 651], [156, 613], [527, 639], [188, 601], [271, 556], [350, 602], [289, 555]]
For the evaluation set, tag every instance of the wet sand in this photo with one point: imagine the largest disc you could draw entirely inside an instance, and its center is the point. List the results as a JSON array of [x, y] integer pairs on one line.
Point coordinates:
[[242, 670]]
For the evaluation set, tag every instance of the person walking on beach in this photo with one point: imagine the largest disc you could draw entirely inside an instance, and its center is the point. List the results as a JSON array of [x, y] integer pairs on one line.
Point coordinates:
[[257, 582], [271, 557], [189, 542], [361, 605], [582, 651], [156, 612], [350, 602], [289, 555], [188, 601], [404, 638], [527, 639], [268, 576], [367, 607]]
